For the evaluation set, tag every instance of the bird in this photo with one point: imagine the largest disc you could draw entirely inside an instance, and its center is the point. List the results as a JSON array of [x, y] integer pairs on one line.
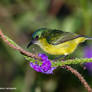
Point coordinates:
[[57, 42]]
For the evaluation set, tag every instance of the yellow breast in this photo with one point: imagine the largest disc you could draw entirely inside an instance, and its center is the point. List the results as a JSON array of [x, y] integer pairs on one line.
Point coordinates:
[[61, 49]]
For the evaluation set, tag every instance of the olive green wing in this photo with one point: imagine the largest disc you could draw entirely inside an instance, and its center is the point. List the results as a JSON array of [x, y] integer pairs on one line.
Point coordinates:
[[56, 37]]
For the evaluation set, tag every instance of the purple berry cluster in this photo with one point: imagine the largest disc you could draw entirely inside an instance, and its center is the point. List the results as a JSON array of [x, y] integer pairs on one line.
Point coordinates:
[[45, 67]]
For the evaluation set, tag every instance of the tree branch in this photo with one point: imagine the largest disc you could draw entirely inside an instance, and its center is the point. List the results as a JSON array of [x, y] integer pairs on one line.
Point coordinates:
[[80, 77], [16, 47]]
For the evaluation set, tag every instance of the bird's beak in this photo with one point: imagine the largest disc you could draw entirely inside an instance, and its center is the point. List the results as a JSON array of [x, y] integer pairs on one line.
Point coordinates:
[[31, 42]]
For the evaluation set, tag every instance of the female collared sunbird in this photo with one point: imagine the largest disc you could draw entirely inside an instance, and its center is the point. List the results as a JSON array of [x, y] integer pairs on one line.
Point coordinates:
[[57, 42]]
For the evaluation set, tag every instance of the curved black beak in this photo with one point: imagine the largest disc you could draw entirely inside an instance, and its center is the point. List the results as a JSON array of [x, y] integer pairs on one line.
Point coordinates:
[[31, 42]]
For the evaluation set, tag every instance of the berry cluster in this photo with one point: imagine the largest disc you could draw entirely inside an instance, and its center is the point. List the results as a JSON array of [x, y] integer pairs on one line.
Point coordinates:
[[45, 67]]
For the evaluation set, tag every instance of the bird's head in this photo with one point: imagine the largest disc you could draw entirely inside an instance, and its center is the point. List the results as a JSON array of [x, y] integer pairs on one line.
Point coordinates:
[[37, 35]]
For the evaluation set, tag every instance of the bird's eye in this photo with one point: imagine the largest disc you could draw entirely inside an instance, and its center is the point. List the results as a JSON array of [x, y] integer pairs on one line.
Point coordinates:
[[36, 37]]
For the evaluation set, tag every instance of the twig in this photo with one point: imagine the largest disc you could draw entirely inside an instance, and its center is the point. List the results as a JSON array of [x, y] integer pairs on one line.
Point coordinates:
[[77, 74], [18, 47]]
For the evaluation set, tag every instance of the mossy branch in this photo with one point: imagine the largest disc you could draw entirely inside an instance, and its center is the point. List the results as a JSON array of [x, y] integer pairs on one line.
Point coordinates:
[[31, 57], [72, 61]]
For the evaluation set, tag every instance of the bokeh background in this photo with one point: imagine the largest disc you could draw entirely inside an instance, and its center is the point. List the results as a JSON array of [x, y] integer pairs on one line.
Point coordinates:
[[19, 19]]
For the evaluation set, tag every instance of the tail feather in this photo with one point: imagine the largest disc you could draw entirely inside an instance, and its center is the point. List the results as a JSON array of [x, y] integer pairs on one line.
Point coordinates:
[[89, 38]]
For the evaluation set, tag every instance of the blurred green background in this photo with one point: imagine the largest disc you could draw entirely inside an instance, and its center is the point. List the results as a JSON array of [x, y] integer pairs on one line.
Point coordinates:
[[19, 19]]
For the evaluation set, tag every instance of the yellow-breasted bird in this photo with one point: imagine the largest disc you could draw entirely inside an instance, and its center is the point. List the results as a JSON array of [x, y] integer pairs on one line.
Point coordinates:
[[57, 42]]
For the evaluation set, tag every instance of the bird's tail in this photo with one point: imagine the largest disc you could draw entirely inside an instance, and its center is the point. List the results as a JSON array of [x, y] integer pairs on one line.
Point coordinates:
[[89, 38]]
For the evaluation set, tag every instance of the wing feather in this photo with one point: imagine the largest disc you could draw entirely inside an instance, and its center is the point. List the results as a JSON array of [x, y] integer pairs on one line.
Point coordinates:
[[56, 37]]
